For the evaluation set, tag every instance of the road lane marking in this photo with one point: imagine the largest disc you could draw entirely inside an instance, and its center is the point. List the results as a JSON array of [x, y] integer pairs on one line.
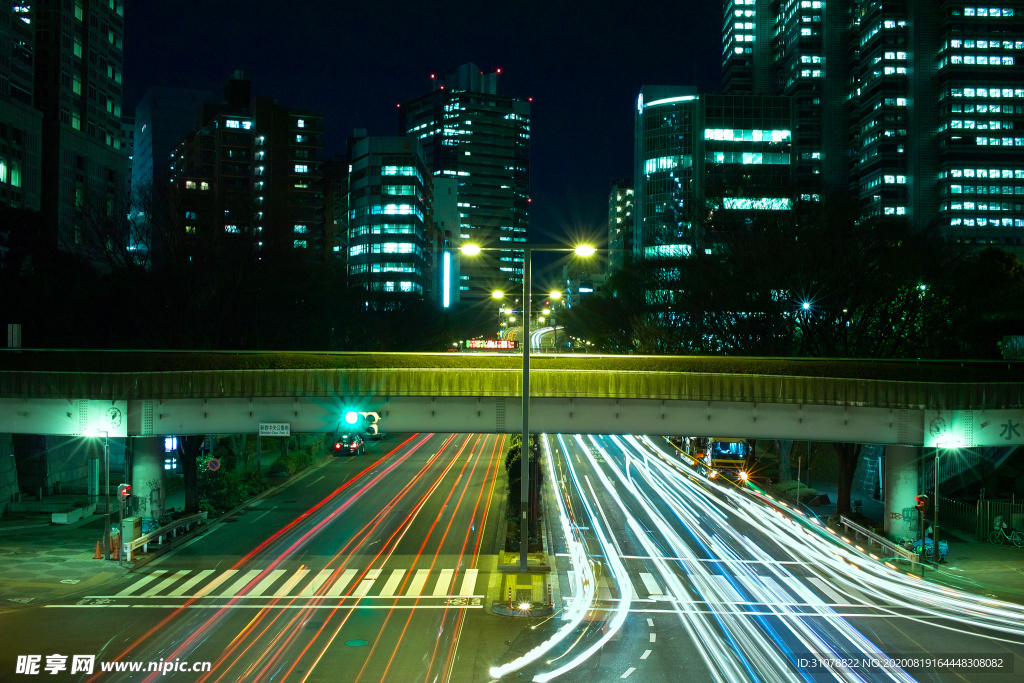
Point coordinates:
[[444, 582], [729, 590], [364, 586], [468, 582], [392, 584], [835, 597], [628, 671], [646, 654], [242, 582], [418, 582], [650, 622], [269, 580], [650, 584], [318, 581], [341, 584], [142, 582], [166, 583], [261, 516], [654, 637], [291, 583], [314, 481], [208, 588], [188, 585]]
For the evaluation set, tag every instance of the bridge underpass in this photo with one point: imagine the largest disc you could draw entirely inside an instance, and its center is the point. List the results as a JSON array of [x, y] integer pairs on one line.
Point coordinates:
[[905, 405]]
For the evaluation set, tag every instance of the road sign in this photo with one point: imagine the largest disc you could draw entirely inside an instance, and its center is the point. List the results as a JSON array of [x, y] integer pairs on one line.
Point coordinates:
[[275, 428], [213, 465]]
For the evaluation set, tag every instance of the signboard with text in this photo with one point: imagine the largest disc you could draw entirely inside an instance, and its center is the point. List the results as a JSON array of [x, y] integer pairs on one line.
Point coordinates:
[[967, 428], [275, 428], [492, 344]]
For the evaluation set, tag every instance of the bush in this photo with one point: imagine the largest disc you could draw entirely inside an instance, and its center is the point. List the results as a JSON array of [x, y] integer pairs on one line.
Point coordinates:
[[222, 490]]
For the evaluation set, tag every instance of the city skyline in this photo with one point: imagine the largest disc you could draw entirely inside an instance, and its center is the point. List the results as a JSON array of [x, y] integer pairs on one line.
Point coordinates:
[[583, 87]]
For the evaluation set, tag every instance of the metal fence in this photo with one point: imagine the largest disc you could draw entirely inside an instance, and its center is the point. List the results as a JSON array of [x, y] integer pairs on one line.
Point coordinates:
[[963, 517], [975, 519], [1012, 512]]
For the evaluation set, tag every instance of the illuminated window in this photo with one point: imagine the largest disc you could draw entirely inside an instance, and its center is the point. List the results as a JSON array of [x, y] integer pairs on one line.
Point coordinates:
[[299, 244], [301, 168], [299, 228], [204, 185], [190, 184], [301, 123], [232, 123]]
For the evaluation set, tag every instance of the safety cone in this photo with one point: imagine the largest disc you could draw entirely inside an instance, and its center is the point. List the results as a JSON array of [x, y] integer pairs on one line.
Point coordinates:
[[98, 555]]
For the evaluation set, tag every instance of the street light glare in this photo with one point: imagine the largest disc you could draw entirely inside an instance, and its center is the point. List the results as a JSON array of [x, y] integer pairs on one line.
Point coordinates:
[[807, 306], [470, 249], [584, 250], [555, 294], [498, 294]]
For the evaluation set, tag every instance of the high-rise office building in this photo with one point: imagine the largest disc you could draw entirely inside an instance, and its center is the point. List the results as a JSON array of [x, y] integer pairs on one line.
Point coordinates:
[[705, 165], [471, 132], [78, 71], [253, 168], [915, 106], [389, 202], [20, 122], [620, 225]]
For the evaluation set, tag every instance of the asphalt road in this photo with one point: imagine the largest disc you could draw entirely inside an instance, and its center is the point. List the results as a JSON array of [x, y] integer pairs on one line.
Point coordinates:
[[378, 567], [366, 569], [694, 580]]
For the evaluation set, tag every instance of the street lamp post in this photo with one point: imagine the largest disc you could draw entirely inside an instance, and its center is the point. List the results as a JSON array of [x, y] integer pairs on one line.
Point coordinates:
[[524, 461], [935, 524], [106, 484]]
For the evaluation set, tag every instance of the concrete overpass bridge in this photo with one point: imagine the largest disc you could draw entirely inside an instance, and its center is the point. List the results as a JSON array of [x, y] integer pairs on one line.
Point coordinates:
[[152, 393]]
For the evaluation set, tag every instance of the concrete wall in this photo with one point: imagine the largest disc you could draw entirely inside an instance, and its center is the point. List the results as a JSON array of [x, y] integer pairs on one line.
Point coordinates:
[[68, 463], [148, 493], [8, 472]]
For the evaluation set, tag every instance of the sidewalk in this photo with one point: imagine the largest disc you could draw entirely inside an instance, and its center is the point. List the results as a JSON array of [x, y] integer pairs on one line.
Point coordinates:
[[977, 567], [40, 561]]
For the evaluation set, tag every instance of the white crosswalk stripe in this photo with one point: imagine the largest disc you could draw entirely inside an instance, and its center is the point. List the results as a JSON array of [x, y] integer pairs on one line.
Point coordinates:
[[303, 582]]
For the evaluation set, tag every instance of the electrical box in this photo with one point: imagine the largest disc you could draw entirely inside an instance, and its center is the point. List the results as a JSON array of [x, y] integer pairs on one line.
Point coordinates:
[[131, 528]]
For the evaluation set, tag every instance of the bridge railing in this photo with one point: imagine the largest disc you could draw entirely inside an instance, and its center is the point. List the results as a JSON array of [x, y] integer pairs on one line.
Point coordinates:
[[159, 534], [891, 549]]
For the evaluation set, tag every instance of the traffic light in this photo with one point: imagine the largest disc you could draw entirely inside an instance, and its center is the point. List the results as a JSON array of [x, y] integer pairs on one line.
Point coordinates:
[[365, 421], [124, 491], [922, 504]]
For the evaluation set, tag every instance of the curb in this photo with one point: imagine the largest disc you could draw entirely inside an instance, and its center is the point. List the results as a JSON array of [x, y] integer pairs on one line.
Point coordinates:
[[159, 551]]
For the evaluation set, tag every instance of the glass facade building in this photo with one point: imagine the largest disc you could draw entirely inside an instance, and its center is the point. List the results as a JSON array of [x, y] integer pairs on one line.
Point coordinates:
[[705, 165], [471, 132], [388, 213], [915, 106]]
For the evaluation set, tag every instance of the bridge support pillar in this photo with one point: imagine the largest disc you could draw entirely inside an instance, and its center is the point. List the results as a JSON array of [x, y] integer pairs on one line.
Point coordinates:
[[900, 489], [148, 477]]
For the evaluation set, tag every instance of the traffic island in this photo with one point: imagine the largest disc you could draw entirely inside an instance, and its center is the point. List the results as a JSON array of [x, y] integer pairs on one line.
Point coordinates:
[[524, 595]]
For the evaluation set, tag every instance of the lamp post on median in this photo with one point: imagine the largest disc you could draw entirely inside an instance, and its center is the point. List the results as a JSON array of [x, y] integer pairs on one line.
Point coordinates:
[[583, 250]]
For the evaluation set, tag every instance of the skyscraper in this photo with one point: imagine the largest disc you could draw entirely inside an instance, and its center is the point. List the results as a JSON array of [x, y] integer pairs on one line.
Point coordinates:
[[78, 74], [471, 132], [20, 122], [915, 106], [706, 165], [254, 167], [620, 225], [389, 191]]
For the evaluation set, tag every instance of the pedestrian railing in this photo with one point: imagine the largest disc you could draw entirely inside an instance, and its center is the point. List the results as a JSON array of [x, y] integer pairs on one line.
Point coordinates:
[[185, 523], [893, 550]]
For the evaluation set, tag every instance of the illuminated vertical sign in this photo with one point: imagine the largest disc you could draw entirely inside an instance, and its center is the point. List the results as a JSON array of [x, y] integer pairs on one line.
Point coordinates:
[[447, 277]]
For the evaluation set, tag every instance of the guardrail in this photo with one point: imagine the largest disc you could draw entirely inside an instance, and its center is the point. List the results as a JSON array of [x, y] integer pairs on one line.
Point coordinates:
[[897, 551], [168, 529]]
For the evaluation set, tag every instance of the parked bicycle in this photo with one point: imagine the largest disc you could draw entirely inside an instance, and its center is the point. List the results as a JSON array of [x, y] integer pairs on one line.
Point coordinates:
[[999, 535]]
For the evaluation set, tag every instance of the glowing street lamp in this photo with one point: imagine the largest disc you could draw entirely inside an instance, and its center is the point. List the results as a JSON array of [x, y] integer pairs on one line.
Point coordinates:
[[583, 250]]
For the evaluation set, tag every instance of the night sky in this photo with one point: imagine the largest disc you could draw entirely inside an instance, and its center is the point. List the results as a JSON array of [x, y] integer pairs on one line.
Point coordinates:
[[582, 62]]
